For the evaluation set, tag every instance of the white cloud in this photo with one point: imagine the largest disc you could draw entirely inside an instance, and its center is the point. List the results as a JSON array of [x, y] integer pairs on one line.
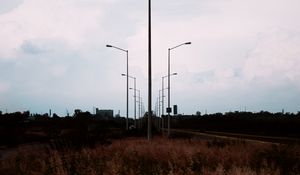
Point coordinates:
[[275, 59], [4, 87], [59, 70], [72, 21], [223, 38], [58, 47], [9, 5]]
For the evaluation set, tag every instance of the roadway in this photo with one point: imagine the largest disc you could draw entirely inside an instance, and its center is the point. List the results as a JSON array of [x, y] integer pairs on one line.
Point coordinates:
[[208, 135]]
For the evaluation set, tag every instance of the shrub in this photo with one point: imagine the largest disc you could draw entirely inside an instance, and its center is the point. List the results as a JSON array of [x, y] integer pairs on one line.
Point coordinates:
[[159, 156]]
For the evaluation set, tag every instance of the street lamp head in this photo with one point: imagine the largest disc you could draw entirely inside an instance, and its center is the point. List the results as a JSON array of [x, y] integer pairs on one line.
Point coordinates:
[[130, 88], [123, 74], [175, 73], [108, 45], [188, 43]]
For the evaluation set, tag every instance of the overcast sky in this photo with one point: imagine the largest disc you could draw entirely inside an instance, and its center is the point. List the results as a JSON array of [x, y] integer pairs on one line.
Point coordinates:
[[244, 54]]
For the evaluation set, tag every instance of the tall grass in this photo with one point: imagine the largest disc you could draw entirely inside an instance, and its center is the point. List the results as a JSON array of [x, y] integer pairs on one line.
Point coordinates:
[[160, 156]]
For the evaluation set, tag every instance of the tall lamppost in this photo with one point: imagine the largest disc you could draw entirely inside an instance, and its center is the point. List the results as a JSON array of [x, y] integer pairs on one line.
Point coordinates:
[[126, 83], [134, 89], [134, 96], [139, 105], [149, 75], [163, 96], [142, 111], [159, 111], [159, 101], [157, 119], [162, 93], [169, 110]]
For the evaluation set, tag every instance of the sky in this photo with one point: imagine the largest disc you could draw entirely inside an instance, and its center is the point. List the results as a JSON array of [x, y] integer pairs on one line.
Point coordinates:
[[245, 55]]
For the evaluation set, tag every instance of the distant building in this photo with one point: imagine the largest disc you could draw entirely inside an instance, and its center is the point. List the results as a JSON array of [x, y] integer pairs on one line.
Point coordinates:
[[104, 113]]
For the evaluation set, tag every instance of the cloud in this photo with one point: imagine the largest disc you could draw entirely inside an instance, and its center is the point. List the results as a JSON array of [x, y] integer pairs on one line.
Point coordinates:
[[228, 59], [52, 53], [8, 5], [59, 70], [63, 20], [267, 80], [275, 59], [30, 48], [4, 87]]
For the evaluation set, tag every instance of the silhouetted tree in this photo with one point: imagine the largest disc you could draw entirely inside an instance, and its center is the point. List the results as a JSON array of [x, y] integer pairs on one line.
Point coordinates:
[[55, 116]]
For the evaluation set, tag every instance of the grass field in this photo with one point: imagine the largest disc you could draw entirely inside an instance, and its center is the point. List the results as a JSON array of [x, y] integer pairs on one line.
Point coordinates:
[[159, 156]]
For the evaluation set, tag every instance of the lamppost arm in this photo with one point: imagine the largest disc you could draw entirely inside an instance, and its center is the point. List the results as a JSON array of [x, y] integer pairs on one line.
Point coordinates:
[[187, 43], [129, 76], [116, 47], [170, 75]]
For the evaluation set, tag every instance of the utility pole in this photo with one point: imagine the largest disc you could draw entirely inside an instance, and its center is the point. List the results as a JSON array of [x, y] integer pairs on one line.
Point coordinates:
[[149, 76]]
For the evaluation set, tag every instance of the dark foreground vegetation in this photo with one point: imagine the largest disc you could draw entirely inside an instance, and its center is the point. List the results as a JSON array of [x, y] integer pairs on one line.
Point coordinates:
[[160, 156], [85, 129], [89, 144], [262, 123]]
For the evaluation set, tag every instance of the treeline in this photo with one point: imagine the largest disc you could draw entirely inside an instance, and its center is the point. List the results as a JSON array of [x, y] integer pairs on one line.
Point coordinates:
[[261, 123], [85, 129], [81, 129]]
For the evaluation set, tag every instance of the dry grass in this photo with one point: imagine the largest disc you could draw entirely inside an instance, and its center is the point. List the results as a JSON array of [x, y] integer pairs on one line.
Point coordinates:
[[160, 156]]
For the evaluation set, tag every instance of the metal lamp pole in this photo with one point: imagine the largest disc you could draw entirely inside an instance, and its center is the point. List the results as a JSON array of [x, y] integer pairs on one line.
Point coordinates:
[[134, 89], [169, 85], [139, 104], [149, 75], [159, 101], [163, 96], [127, 105], [163, 89]]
